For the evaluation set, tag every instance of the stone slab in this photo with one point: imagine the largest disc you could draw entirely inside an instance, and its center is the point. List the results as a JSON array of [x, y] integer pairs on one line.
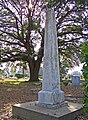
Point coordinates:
[[30, 111], [51, 97], [75, 80]]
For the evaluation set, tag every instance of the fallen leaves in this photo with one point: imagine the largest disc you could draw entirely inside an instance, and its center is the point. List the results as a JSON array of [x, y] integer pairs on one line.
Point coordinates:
[[13, 94]]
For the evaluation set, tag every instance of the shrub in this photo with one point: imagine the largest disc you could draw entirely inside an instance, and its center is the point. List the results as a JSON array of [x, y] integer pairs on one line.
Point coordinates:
[[65, 82], [11, 75], [84, 59], [19, 75]]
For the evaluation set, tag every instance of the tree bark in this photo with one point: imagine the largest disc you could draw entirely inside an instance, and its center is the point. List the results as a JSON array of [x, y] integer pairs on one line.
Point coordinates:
[[34, 65], [34, 70]]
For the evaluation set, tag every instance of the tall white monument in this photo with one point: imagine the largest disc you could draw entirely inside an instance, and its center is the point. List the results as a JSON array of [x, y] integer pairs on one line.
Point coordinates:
[[51, 94]]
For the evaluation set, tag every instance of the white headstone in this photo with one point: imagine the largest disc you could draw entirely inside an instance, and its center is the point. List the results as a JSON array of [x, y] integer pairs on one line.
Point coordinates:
[[51, 94]]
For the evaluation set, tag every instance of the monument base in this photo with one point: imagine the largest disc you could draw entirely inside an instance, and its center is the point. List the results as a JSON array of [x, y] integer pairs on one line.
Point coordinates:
[[51, 99], [29, 111], [56, 106]]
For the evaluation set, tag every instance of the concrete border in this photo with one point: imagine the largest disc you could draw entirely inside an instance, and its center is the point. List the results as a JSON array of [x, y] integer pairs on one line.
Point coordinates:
[[29, 111]]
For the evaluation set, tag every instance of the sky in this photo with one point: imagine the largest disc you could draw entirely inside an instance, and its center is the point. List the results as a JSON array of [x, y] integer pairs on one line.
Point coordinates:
[[76, 68]]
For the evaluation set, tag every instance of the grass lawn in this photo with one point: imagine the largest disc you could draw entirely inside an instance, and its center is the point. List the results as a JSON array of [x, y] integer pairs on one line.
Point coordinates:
[[13, 80]]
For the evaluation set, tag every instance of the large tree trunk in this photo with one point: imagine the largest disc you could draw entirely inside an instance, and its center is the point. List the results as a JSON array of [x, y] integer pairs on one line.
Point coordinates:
[[34, 70], [34, 65]]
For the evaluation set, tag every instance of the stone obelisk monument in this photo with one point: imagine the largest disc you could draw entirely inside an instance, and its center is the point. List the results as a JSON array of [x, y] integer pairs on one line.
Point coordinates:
[[51, 94]]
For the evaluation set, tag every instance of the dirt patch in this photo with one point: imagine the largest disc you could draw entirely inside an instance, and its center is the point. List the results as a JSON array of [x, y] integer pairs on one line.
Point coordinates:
[[12, 94]]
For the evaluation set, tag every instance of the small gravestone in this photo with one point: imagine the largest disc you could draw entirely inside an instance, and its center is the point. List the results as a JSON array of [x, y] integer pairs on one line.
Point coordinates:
[[76, 80]]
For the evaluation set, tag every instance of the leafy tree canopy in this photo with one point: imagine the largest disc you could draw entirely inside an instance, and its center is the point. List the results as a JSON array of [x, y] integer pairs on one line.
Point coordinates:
[[22, 31]]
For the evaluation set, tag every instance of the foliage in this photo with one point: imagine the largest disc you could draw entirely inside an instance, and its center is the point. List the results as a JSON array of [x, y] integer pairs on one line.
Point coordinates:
[[20, 75], [63, 68], [22, 30], [84, 59], [65, 82], [2, 71]]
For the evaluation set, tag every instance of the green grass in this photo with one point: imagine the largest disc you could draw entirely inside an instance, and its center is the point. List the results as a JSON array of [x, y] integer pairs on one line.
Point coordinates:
[[13, 81]]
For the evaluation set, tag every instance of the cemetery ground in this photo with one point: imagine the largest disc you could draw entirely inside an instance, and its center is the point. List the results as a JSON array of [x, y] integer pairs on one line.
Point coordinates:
[[20, 91]]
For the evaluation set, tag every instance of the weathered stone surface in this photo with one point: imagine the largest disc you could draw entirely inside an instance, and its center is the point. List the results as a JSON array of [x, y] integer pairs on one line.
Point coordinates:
[[76, 80], [51, 77], [29, 111], [51, 98], [50, 93]]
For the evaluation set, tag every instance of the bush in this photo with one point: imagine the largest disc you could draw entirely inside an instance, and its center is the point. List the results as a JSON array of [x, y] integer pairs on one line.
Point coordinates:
[[65, 82], [11, 75], [19, 75], [84, 59]]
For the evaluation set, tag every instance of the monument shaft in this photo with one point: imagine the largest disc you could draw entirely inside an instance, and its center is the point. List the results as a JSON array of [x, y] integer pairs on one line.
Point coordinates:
[[50, 93], [51, 74]]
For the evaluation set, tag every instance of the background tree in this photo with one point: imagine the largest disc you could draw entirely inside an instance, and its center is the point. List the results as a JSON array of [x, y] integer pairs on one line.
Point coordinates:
[[13, 69], [64, 67], [22, 30], [22, 65]]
